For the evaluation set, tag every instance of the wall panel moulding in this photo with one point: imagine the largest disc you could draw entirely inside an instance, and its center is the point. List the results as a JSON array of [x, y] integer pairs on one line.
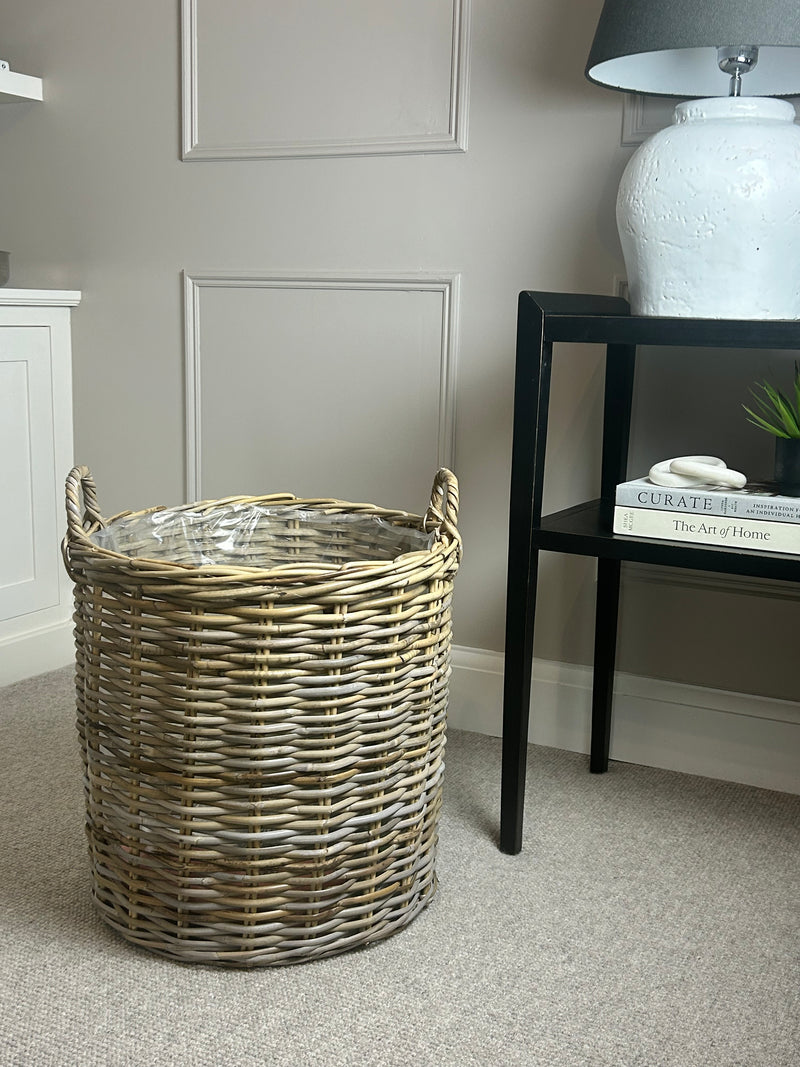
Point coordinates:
[[278, 80], [332, 384]]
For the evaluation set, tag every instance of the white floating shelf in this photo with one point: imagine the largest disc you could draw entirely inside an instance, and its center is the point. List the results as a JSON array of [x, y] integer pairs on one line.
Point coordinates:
[[15, 86]]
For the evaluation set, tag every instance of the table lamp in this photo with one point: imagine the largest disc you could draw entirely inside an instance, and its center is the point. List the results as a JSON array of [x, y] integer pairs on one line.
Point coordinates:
[[708, 209]]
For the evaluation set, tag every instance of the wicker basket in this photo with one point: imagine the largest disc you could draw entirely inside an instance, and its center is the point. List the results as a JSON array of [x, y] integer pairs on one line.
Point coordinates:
[[262, 742]]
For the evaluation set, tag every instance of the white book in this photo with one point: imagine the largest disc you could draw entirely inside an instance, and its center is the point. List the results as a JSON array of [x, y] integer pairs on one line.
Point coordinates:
[[752, 534], [758, 500]]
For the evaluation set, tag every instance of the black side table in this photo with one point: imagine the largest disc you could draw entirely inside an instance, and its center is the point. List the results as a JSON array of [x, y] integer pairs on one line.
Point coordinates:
[[543, 320]]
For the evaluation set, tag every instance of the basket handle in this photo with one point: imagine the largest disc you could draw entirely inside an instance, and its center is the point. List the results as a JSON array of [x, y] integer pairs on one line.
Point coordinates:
[[80, 481], [443, 508]]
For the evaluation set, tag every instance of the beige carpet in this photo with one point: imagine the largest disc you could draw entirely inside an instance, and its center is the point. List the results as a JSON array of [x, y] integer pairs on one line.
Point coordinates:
[[651, 919]]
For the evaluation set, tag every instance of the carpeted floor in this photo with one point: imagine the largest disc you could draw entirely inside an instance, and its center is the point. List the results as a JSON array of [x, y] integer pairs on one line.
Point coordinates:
[[651, 919]]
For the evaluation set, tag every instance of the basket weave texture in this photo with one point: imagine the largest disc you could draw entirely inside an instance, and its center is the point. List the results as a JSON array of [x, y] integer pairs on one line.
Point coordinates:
[[263, 746]]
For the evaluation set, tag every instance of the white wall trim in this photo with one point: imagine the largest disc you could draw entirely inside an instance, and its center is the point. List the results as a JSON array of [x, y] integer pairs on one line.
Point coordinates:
[[36, 651], [711, 732], [643, 116], [446, 284], [453, 139]]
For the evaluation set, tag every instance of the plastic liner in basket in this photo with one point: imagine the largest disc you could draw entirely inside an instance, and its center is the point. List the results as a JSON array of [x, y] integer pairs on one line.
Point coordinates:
[[250, 534]]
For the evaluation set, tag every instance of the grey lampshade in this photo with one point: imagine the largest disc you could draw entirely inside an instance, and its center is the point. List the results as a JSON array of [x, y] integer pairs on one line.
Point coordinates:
[[669, 47]]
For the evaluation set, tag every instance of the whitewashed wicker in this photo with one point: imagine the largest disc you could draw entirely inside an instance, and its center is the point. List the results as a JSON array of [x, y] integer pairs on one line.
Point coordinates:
[[262, 744]]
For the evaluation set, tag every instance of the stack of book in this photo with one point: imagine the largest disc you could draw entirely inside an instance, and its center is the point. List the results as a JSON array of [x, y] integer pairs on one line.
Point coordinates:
[[754, 518]]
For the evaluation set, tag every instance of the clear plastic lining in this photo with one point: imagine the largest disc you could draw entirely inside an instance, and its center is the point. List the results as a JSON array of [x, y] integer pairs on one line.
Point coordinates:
[[253, 535]]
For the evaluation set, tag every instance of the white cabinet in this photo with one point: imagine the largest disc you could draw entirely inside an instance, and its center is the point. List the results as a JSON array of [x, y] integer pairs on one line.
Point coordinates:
[[35, 457]]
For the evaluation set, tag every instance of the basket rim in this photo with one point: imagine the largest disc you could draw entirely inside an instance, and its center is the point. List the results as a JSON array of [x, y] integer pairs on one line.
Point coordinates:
[[445, 536]]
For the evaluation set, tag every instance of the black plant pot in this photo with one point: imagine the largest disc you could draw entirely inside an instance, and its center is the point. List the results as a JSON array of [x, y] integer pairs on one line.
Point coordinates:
[[787, 465]]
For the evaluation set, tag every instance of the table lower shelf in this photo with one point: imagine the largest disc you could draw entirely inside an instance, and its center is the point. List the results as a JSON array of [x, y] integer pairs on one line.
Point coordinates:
[[582, 531]]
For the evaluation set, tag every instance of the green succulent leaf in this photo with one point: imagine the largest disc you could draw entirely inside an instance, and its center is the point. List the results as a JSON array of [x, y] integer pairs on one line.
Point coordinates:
[[784, 411], [756, 420], [773, 411]]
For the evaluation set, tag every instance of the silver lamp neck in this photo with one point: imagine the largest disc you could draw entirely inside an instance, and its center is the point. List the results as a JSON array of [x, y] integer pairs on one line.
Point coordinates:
[[736, 61]]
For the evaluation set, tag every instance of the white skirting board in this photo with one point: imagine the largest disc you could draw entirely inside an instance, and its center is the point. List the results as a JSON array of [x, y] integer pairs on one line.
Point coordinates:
[[731, 736], [36, 651], [711, 732]]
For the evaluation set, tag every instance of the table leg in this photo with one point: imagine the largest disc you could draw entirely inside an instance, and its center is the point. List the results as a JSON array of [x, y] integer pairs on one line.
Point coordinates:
[[523, 570], [531, 398], [605, 647]]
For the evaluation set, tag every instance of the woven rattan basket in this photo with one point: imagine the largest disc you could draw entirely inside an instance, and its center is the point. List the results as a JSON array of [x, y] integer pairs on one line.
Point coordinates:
[[263, 741]]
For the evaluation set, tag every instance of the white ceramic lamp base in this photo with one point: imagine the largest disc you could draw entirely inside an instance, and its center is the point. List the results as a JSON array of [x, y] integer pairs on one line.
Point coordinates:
[[709, 213]]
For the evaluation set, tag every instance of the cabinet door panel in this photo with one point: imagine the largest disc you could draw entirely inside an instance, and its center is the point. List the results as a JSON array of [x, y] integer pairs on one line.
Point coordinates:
[[28, 532]]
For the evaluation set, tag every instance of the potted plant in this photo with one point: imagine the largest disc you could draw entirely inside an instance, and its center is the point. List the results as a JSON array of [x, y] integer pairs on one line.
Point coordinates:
[[779, 415]]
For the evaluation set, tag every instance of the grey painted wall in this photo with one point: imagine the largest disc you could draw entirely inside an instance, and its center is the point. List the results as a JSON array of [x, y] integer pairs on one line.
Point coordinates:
[[96, 197]]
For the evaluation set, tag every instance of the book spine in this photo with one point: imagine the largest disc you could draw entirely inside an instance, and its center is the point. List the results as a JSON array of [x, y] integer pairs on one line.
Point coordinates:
[[751, 534], [731, 505]]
